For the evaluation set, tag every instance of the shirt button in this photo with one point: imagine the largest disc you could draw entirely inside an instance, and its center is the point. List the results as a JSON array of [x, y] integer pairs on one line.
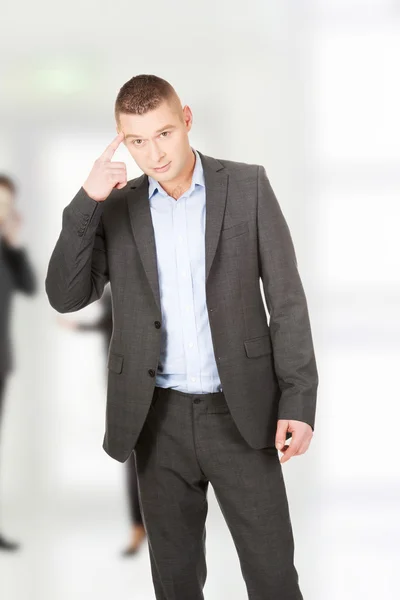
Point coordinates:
[[197, 400], [151, 372], [157, 324], [191, 345], [193, 379]]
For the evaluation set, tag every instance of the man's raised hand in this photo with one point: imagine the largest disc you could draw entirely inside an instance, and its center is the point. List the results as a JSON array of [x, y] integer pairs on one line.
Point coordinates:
[[106, 175]]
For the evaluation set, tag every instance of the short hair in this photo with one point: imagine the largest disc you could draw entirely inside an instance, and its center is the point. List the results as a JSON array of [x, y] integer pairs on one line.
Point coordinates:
[[142, 94], [8, 183]]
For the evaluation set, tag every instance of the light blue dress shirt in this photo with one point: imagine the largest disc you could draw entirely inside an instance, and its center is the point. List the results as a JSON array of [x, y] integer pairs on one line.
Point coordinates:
[[187, 362]]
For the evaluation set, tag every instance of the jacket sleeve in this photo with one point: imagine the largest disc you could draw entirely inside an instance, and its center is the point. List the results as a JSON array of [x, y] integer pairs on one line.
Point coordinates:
[[78, 269], [20, 268], [290, 330]]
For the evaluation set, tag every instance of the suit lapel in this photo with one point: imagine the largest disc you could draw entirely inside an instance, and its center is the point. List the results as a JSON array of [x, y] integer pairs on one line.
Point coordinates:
[[142, 226], [216, 181]]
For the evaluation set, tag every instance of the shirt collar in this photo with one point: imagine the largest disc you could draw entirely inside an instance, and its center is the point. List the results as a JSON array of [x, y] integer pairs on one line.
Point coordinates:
[[197, 179]]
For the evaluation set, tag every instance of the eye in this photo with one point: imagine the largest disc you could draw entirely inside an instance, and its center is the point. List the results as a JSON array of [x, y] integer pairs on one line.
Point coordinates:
[[135, 144], [165, 133]]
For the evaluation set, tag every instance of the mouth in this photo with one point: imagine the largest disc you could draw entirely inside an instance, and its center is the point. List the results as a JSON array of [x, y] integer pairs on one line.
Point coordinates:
[[162, 169]]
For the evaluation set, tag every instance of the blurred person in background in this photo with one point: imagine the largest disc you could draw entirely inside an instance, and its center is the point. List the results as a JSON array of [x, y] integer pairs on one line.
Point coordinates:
[[16, 274], [201, 387], [104, 324]]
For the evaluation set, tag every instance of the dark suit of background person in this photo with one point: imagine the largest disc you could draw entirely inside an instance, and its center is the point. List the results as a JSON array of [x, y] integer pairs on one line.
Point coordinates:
[[104, 324], [183, 442], [15, 275]]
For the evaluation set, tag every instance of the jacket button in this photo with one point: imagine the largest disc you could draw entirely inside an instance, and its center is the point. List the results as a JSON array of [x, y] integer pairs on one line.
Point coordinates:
[[151, 372], [157, 324]]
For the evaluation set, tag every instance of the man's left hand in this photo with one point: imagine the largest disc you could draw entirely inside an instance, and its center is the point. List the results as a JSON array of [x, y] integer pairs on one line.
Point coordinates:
[[302, 435]]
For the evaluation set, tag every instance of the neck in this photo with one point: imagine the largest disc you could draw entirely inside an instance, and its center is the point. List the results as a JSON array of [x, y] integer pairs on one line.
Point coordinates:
[[180, 184]]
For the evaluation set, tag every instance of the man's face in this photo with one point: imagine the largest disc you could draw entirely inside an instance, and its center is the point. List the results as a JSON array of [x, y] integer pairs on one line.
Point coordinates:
[[159, 138], [6, 201]]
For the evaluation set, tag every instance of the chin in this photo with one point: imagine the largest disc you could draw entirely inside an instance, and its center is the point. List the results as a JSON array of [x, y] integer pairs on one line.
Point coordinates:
[[165, 176]]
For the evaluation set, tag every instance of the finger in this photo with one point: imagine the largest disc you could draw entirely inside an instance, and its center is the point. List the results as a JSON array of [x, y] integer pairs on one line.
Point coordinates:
[[303, 441], [119, 182], [110, 150], [303, 448], [117, 172], [291, 451], [117, 165], [118, 177], [293, 446], [281, 430], [285, 447]]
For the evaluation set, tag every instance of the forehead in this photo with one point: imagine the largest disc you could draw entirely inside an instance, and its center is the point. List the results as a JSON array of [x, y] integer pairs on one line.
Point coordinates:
[[147, 124]]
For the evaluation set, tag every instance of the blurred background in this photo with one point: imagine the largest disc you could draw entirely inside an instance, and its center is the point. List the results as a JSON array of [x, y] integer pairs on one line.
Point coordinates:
[[307, 88]]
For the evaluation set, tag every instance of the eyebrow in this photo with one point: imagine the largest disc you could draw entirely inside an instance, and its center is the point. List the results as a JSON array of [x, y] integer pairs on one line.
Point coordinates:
[[134, 135]]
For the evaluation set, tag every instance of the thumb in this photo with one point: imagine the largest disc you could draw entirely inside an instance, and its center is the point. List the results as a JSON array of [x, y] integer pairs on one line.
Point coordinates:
[[280, 438]]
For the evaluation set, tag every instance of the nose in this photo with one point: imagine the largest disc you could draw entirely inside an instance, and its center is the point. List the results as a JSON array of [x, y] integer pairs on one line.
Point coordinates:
[[156, 154]]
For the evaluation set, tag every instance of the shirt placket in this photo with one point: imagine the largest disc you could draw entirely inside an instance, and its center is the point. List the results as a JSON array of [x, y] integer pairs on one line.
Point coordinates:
[[189, 331]]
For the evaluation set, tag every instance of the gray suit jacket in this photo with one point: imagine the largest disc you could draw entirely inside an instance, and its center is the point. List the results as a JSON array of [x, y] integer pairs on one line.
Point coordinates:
[[267, 368]]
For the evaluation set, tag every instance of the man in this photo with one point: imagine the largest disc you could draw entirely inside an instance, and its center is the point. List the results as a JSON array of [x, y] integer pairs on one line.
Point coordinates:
[[104, 324], [15, 275], [201, 387]]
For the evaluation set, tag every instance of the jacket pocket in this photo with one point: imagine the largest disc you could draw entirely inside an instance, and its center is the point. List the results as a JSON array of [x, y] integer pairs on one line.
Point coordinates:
[[235, 230], [258, 346], [115, 362]]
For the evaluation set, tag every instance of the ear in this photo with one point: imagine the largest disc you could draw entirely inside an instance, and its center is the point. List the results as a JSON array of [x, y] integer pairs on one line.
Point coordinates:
[[187, 117]]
